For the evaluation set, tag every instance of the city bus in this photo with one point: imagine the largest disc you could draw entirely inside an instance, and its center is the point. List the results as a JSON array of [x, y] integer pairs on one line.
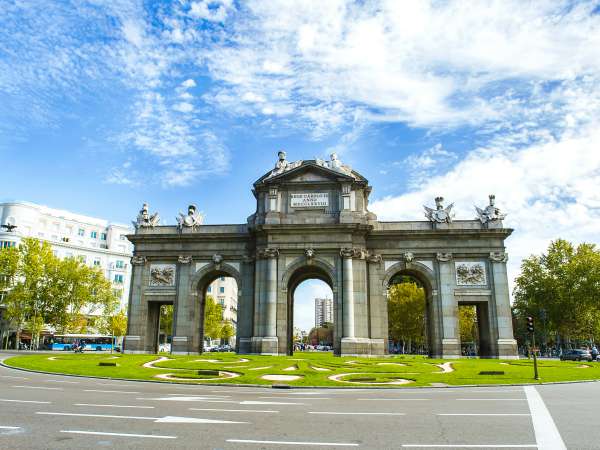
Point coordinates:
[[95, 342]]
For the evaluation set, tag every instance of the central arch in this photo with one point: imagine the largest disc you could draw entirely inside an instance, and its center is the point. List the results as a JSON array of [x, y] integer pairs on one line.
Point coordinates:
[[296, 274]]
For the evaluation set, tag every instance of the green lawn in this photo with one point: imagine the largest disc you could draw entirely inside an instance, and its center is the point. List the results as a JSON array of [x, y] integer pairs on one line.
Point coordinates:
[[311, 368]]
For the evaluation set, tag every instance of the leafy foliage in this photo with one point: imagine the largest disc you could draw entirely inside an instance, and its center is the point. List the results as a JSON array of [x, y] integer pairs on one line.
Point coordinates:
[[406, 313], [561, 290]]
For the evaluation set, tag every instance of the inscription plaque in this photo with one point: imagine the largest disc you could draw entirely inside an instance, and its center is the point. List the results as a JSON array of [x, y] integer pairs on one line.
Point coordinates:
[[309, 200]]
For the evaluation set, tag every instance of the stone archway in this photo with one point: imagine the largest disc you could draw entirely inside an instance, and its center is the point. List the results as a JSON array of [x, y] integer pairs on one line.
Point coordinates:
[[296, 274], [426, 279], [198, 287]]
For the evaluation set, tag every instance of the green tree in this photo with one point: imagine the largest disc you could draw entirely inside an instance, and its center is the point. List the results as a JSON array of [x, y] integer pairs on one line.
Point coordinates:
[[166, 319], [28, 301], [467, 323], [213, 316], [406, 314], [561, 290], [322, 334], [227, 330]]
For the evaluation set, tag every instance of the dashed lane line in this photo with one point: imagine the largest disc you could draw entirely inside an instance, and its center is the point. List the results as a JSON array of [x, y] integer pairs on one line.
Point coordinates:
[[333, 413], [491, 399], [40, 402], [165, 419], [113, 406], [39, 387], [235, 410], [469, 446], [322, 444], [546, 433], [483, 414], [110, 392], [5, 427], [128, 435]]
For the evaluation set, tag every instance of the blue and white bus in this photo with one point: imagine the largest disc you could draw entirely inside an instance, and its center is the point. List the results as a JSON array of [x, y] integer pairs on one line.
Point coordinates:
[[95, 342]]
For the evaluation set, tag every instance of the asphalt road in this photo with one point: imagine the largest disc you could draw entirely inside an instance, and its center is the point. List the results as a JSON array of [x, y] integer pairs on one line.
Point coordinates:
[[39, 411]]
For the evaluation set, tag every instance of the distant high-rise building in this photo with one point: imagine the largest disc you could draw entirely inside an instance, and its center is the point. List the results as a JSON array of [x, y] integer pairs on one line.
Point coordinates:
[[323, 311]]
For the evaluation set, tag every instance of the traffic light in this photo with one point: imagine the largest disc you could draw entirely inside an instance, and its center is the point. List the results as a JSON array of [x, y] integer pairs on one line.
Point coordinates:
[[530, 324]]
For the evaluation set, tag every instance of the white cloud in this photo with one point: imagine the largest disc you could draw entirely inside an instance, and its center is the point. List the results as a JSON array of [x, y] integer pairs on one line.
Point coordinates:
[[183, 107], [189, 83], [549, 190], [211, 10]]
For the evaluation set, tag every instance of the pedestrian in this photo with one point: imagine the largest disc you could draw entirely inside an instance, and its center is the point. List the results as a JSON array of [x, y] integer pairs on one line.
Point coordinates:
[[594, 353]]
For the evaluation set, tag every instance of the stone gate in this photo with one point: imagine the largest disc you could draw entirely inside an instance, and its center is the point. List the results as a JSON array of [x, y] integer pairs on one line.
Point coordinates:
[[312, 221]]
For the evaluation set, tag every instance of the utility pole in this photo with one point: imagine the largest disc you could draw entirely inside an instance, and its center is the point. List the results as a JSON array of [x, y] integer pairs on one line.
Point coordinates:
[[531, 329]]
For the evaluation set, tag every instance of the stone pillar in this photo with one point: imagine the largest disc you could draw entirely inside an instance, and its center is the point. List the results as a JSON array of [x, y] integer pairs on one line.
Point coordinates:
[[269, 343], [449, 307], [137, 311], [348, 292], [183, 328], [506, 343]]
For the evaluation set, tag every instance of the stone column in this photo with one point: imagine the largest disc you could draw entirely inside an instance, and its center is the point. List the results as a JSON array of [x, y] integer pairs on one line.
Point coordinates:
[[506, 344], [269, 342], [137, 312], [348, 292], [182, 328], [449, 307]]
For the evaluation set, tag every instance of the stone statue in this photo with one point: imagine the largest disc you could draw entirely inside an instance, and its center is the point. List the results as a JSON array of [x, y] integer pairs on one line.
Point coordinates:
[[439, 214], [490, 213], [144, 219], [334, 163], [191, 220], [283, 165]]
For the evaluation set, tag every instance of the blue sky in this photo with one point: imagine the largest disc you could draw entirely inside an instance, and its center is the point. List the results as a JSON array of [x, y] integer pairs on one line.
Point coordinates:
[[104, 105]]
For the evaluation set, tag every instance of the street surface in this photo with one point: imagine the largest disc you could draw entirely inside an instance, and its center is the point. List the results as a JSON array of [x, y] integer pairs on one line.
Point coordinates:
[[39, 411]]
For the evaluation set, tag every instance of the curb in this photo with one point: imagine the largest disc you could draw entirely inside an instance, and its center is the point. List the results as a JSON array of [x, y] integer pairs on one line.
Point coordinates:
[[280, 386]]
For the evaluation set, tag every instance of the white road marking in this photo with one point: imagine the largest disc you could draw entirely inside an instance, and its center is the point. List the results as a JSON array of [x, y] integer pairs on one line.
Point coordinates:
[[546, 433], [24, 401], [296, 398], [4, 427], [110, 392], [256, 402], [491, 399], [113, 406], [61, 381], [395, 399], [101, 433], [357, 413], [235, 410], [323, 444], [39, 387], [195, 398], [460, 414], [468, 446], [203, 396], [166, 419], [16, 378]]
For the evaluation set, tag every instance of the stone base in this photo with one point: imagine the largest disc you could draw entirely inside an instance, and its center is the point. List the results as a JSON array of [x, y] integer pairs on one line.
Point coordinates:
[[507, 349], [268, 345], [180, 346], [133, 345], [361, 347], [450, 349], [244, 345]]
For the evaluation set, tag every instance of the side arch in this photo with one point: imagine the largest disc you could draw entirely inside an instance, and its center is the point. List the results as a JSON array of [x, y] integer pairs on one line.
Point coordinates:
[[197, 287], [427, 278]]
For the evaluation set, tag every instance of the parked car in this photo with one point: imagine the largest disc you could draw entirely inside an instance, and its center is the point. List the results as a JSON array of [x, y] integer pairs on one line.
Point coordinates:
[[576, 355]]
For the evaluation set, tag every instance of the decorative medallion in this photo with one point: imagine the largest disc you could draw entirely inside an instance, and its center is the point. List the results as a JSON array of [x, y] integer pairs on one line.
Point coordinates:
[[162, 275], [470, 273]]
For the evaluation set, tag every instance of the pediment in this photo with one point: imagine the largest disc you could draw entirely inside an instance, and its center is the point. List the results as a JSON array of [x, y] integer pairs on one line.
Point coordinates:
[[308, 171]]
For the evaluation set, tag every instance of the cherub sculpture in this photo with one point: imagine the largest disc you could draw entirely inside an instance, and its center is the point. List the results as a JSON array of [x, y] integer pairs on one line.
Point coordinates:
[[440, 214]]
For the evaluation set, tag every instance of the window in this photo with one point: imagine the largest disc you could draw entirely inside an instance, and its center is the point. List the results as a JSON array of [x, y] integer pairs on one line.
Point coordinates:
[[120, 264], [122, 237], [81, 232], [56, 226], [118, 278], [222, 301], [209, 290], [41, 235], [54, 237], [55, 253], [96, 262], [102, 236], [65, 239], [69, 229], [7, 244], [222, 278], [122, 248], [94, 235], [82, 258], [221, 290], [69, 255]]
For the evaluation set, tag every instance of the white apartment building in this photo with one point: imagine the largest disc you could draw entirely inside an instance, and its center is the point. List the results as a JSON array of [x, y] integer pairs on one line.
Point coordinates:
[[323, 311], [225, 292], [96, 242]]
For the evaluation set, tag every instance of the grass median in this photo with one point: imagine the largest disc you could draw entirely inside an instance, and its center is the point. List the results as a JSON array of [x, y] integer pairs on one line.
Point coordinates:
[[307, 369]]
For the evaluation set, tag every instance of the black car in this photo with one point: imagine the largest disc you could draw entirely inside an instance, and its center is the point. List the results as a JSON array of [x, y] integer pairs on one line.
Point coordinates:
[[576, 355]]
